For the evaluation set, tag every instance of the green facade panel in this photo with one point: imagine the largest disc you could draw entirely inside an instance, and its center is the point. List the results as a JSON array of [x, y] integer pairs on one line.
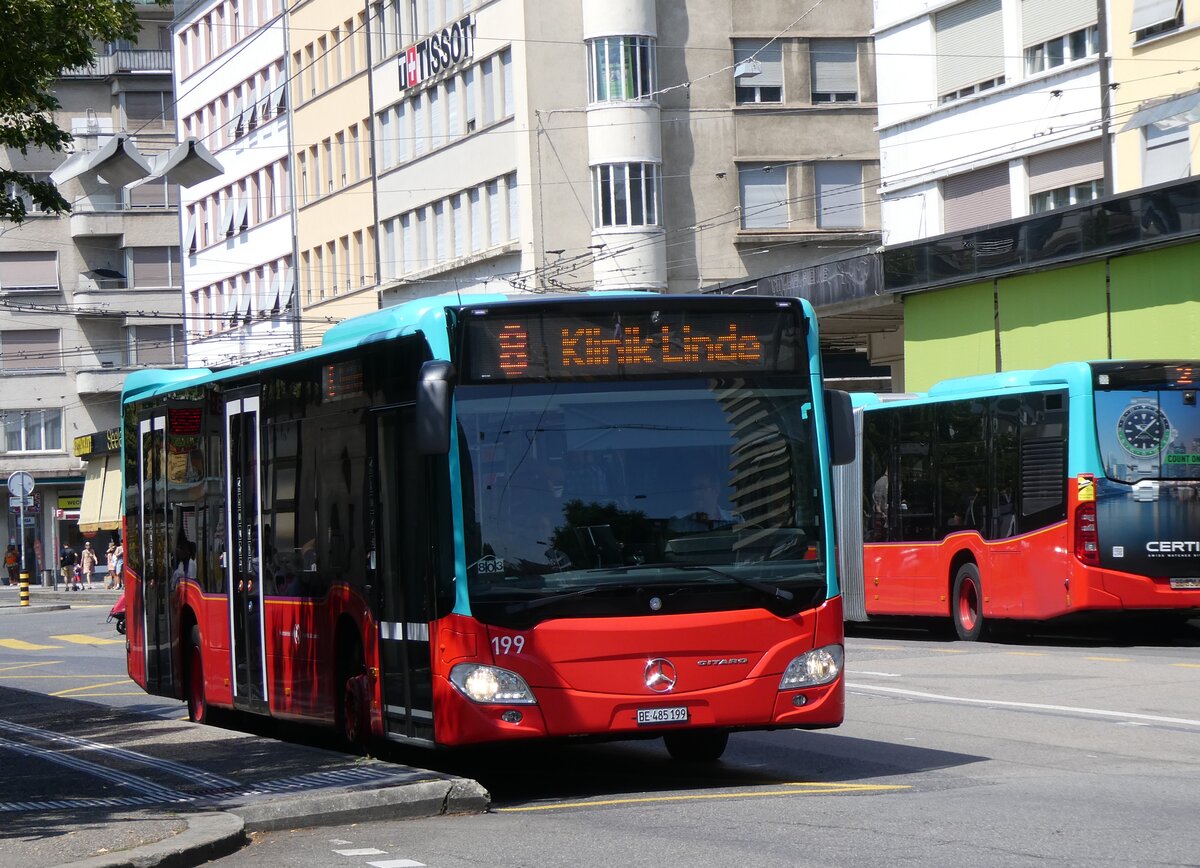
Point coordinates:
[[1047, 317], [948, 333], [1156, 304]]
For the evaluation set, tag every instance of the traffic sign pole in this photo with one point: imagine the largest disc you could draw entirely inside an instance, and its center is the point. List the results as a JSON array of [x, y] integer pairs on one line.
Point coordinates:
[[20, 484]]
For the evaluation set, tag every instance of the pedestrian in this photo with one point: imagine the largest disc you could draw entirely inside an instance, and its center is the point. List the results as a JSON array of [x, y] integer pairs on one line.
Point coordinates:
[[88, 563], [110, 556], [12, 565], [66, 566], [119, 560]]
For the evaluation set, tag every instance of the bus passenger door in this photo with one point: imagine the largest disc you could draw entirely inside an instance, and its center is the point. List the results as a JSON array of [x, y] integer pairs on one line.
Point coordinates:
[[155, 548], [243, 554], [402, 576]]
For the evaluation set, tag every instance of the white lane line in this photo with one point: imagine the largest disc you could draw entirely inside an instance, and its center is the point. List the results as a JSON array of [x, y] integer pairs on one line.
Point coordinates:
[[1032, 706], [362, 851], [877, 674], [397, 863]]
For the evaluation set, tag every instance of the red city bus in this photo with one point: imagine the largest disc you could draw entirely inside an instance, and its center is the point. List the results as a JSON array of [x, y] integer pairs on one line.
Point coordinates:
[[1026, 496], [602, 516]]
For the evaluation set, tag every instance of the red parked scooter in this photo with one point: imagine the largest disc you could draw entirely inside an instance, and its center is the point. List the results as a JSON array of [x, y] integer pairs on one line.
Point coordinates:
[[117, 613]]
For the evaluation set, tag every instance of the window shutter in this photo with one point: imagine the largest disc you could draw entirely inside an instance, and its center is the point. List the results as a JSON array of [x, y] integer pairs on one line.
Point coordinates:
[[151, 266], [839, 195], [969, 44], [30, 350], [769, 58], [1076, 164], [1147, 13], [834, 65], [29, 270], [976, 198], [1167, 156], [1045, 19], [764, 197]]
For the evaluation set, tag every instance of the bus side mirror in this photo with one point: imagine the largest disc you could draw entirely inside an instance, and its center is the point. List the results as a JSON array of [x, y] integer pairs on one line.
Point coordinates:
[[434, 391], [840, 416]]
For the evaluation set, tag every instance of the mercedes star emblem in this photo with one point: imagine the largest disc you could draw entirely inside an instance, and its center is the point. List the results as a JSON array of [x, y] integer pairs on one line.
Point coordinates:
[[660, 675]]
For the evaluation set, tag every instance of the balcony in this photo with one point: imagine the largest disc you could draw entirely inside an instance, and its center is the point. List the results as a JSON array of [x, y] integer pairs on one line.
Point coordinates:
[[100, 381], [125, 61]]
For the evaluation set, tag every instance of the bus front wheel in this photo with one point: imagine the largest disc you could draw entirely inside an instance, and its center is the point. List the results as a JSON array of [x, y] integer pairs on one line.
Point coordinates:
[[197, 700], [696, 746], [966, 603]]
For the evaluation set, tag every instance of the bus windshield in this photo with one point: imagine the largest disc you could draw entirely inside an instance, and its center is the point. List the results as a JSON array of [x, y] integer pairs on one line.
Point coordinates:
[[591, 498]]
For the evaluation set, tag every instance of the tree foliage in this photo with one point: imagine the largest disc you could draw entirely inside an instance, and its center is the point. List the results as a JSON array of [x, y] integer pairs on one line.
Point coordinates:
[[45, 37]]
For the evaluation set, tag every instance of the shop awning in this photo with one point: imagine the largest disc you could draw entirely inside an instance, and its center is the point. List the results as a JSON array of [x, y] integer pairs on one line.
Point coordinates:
[[100, 508]]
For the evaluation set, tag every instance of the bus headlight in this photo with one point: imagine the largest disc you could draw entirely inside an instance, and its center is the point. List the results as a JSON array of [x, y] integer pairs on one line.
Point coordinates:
[[491, 685], [818, 666]]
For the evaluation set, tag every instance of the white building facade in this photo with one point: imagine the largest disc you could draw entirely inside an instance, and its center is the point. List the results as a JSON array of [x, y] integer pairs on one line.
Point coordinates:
[[988, 110]]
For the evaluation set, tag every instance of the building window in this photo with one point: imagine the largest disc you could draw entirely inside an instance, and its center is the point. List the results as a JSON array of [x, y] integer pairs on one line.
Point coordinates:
[[149, 109], [157, 266], [1065, 197], [154, 345], [757, 71], [834, 66], [30, 350], [969, 49], [1155, 17], [1062, 49], [839, 195], [32, 430], [16, 191], [154, 193], [971, 90], [621, 68], [31, 269], [626, 194], [1167, 155], [764, 196]]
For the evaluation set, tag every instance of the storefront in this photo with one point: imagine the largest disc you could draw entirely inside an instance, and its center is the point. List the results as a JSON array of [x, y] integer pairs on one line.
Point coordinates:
[[98, 515]]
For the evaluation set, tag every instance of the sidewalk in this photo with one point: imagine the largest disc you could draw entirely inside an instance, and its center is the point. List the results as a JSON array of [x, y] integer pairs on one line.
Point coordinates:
[[89, 785], [49, 599]]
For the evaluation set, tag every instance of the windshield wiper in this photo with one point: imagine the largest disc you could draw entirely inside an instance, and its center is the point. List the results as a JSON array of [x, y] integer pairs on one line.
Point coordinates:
[[526, 605], [772, 591]]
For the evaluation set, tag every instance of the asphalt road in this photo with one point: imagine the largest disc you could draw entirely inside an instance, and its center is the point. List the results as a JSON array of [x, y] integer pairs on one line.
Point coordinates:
[[1082, 748]]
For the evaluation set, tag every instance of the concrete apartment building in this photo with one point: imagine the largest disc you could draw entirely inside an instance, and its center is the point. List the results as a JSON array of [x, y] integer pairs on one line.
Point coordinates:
[[524, 145], [86, 297]]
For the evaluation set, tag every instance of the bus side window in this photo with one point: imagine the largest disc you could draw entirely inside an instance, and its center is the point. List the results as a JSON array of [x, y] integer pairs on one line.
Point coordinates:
[[1043, 497], [1004, 445], [914, 498]]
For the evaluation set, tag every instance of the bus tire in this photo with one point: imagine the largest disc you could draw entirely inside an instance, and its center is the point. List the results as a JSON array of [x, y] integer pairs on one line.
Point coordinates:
[[352, 700], [966, 603], [696, 745], [197, 700]]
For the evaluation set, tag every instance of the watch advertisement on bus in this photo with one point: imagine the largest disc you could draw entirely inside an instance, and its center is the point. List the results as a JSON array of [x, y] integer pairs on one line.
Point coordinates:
[[1148, 506]]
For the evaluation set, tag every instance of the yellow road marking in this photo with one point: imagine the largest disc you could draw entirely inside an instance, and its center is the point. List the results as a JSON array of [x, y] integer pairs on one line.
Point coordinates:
[[1187, 665], [1025, 653], [19, 645], [90, 687], [129, 693], [949, 650], [82, 639], [1109, 659], [808, 789], [29, 665]]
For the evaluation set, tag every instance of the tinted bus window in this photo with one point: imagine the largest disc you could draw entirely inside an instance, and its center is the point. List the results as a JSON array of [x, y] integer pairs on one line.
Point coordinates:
[[1043, 498]]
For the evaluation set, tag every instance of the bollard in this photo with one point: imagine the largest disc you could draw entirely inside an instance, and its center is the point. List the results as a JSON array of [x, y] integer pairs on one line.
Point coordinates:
[[24, 588]]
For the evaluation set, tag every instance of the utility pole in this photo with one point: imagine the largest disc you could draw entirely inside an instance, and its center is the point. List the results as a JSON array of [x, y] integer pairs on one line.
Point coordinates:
[[1105, 96]]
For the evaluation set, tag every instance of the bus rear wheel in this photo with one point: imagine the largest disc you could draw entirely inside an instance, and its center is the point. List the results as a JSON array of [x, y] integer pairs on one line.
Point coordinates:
[[966, 604], [197, 700], [696, 746]]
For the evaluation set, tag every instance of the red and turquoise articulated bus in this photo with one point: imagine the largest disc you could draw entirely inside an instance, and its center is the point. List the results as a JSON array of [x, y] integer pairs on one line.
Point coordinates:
[[1027, 495], [479, 520]]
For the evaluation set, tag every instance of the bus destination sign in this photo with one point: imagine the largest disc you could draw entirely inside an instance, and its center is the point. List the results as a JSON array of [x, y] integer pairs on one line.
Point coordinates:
[[550, 346]]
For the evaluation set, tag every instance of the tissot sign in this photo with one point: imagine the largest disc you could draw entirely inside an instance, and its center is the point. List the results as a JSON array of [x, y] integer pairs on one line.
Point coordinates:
[[449, 47]]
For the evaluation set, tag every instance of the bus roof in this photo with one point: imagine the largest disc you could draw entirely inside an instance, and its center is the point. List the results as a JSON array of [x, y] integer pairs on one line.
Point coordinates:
[[425, 315], [1075, 376]]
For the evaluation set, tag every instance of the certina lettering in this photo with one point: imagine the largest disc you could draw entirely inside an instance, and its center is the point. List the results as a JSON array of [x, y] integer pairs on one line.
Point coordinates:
[[437, 52], [587, 347], [723, 661], [1171, 546]]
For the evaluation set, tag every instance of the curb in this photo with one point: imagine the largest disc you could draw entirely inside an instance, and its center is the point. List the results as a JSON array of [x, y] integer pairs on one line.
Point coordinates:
[[421, 799], [208, 836], [33, 607]]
